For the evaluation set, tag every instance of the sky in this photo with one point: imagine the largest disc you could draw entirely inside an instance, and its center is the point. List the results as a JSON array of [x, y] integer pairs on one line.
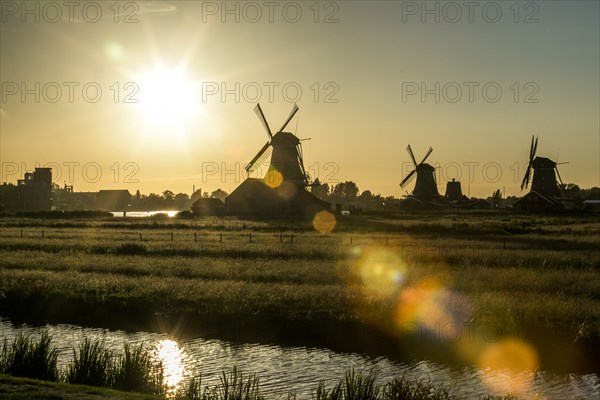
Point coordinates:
[[153, 96]]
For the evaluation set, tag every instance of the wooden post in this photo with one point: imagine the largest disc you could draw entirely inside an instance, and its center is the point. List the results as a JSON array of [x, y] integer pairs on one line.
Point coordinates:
[[350, 240], [220, 238], [141, 237], [504, 243], [195, 237], [21, 232], [42, 233], [280, 237], [171, 236], [250, 236], [386, 241]]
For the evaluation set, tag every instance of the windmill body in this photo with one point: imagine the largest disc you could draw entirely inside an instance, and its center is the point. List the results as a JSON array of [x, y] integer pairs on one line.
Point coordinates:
[[544, 177], [286, 159], [425, 187], [282, 190]]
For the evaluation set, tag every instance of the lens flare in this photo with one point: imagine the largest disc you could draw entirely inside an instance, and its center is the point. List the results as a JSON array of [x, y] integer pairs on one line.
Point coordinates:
[[287, 190], [324, 221], [273, 179], [508, 366], [381, 272]]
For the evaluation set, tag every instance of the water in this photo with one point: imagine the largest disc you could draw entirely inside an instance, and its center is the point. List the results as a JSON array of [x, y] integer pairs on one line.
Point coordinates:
[[138, 214], [298, 369]]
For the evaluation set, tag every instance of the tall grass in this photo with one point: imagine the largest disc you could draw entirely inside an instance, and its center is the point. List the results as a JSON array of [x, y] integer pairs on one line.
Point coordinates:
[[235, 387], [135, 371], [92, 365], [30, 358]]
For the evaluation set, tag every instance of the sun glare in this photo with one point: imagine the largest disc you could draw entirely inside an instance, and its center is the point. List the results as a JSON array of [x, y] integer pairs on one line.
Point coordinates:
[[167, 102]]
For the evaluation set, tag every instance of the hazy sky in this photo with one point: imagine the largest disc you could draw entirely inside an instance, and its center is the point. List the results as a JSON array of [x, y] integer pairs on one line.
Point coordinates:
[[473, 80]]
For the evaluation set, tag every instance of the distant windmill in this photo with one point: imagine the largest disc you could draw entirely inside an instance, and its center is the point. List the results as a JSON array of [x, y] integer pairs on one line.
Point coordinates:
[[425, 187], [286, 157], [545, 172]]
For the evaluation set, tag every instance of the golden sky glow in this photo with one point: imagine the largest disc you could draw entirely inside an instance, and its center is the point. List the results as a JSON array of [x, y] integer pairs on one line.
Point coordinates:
[[369, 78]]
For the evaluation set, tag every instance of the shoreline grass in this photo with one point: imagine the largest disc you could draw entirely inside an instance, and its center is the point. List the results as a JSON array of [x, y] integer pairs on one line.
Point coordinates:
[[135, 372]]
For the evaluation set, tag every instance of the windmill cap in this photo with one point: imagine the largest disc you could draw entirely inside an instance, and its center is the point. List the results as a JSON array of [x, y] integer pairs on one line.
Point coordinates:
[[285, 138]]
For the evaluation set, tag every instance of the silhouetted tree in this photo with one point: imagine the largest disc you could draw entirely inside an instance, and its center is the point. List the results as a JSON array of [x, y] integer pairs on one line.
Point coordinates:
[[496, 198], [181, 201], [345, 191], [320, 190], [196, 195], [219, 194]]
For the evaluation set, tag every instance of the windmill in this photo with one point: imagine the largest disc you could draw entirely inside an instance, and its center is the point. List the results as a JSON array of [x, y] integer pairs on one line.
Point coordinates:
[[545, 172], [425, 187], [286, 158], [282, 190]]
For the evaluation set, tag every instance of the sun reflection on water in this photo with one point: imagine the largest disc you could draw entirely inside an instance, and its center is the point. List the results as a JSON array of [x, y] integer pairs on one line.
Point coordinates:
[[171, 356]]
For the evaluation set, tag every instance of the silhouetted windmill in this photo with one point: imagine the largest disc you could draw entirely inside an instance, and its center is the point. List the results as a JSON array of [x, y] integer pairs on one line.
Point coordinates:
[[425, 187], [544, 178], [282, 191], [286, 158]]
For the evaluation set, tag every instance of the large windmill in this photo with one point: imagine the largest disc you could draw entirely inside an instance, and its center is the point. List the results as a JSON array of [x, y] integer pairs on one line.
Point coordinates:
[[544, 193], [425, 188], [286, 158], [545, 172], [282, 190]]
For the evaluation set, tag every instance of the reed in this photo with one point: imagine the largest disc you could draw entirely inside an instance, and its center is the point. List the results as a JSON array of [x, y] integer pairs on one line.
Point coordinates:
[[92, 365], [135, 371], [30, 358]]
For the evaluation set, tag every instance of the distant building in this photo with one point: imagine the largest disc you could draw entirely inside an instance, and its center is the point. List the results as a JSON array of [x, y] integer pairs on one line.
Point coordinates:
[[208, 206], [32, 193], [591, 205], [534, 201], [113, 200]]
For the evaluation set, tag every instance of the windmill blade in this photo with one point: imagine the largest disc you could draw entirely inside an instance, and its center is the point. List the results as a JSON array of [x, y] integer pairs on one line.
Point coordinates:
[[559, 178], [531, 148], [256, 157], [427, 155], [526, 177], [287, 121], [563, 163], [405, 180], [534, 149], [412, 156], [262, 118], [301, 163]]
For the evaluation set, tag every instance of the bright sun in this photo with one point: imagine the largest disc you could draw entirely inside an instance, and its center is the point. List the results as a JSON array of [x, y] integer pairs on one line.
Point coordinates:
[[167, 102]]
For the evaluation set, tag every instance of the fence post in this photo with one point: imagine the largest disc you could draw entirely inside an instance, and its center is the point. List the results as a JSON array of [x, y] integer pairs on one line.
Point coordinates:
[[141, 240], [280, 237], [171, 236], [250, 236], [195, 237], [350, 240], [220, 238], [42, 233], [386, 241], [21, 232], [504, 243], [292, 239]]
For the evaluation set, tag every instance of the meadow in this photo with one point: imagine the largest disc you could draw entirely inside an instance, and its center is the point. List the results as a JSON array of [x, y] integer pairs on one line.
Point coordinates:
[[389, 277]]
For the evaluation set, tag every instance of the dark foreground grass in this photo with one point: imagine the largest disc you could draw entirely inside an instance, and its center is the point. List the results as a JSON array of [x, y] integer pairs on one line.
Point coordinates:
[[135, 371], [28, 357]]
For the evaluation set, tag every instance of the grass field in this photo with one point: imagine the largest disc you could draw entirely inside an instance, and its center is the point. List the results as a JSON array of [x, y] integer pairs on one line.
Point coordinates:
[[396, 275]]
